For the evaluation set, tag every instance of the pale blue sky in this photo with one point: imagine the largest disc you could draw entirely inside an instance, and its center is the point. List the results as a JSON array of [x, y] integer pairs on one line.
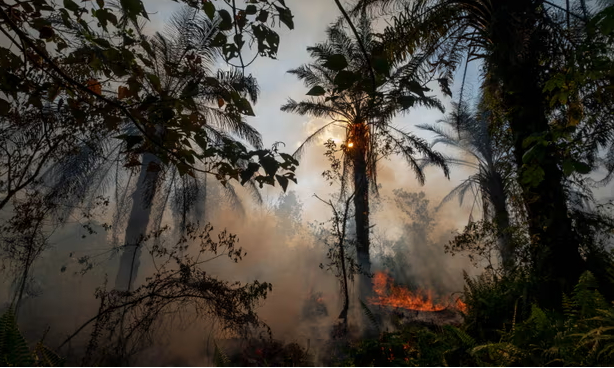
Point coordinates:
[[311, 19]]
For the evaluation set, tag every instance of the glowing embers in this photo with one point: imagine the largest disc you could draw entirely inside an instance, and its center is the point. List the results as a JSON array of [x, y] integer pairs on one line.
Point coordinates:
[[388, 294]]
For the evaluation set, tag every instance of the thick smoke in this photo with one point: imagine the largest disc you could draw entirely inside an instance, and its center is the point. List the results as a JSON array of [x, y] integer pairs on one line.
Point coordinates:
[[281, 249]]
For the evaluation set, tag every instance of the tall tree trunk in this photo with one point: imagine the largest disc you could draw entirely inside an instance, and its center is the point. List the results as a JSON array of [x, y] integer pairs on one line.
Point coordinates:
[[515, 62], [136, 228], [344, 282], [361, 207], [501, 218]]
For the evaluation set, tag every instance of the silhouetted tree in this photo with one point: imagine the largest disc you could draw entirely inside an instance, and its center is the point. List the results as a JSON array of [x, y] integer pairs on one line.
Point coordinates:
[[339, 84]]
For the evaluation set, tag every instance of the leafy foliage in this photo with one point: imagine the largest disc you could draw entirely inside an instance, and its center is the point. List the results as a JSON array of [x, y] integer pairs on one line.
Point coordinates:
[[539, 41], [14, 350], [582, 337], [105, 74]]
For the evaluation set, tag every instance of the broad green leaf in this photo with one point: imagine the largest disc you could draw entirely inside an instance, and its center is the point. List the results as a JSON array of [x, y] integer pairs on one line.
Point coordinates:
[[132, 140], [536, 152], [245, 107], [263, 16], [581, 167], [336, 62], [345, 79], [270, 165], [226, 23], [283, 181], [285, 16], [381, 66], [209, 9], [251, 9], [219, 40], [568, 167], [134, 8], [102, 42], [230, 51], [72, 6], [406, 102], [289, 158], [316, 91], [415, 87], [238, 38], [532, 175], [247, 174]]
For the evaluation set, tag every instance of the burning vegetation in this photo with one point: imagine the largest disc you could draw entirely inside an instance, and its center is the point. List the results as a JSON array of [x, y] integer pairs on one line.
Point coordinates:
[[395, 296]]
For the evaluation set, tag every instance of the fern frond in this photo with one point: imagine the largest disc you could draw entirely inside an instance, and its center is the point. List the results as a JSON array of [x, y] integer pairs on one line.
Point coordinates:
[[14, 350], [504, 353], [461, 335], [48, 357], [220, 359], [370, 315], [540, 318]]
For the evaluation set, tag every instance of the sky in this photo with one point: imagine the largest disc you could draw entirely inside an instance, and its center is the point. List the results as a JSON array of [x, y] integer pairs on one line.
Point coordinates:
[[311, 19]]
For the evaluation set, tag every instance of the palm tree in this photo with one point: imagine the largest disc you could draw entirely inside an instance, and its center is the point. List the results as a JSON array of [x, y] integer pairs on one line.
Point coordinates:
[[469, 132], [182, 60], [369, 136], [515, 40]]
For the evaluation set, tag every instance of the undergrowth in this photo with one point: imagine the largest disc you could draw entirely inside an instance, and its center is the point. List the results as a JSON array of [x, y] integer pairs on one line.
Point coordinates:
[[582, 336], [14, 350]]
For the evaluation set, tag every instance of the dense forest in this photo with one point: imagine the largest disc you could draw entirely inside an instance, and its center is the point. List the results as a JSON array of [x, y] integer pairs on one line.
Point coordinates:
[[153, 213]]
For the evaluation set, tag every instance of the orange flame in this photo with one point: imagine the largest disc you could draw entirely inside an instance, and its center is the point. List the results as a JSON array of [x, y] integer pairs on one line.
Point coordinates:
[[461, 306], [391, 295]]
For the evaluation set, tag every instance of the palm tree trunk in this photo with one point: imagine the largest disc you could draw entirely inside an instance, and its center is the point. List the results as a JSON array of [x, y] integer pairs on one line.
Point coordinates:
[[515, 63], [142, 200], [361, 216], [501, 217]]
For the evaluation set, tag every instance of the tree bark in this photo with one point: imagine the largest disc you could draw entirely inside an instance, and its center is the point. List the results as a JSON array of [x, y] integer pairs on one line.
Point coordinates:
[[515, 61], [361, 207], [136, 228], [501, 218]]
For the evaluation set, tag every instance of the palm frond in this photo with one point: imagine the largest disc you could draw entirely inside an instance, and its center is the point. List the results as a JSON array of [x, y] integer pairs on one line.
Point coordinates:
[[458, 191], [232, 124], [410, 144], [309, 140], [312, 75], [312, 108]]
